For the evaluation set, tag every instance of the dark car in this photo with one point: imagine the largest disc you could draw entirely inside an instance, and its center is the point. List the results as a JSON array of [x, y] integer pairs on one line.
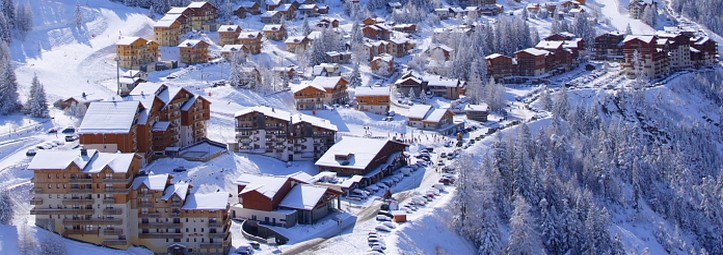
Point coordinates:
[[180, 169], [70, 138], [31, 153], [69, 130]]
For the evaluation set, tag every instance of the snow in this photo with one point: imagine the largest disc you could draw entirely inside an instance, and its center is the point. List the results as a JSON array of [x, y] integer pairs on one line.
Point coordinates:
[[535, 52], [286, 116], [56, 160], [361, 155], [190, 43], [371, 91], [482, 107], [228, 28], [151, 181], [644, 38], [266, 185], [117, 162], [109, 117], [128, 40], [326, 82], [208, 201], [301, 87], [418, 111], [180, 189], [161, 126], [549, 45], [303, 197], [436, 115]]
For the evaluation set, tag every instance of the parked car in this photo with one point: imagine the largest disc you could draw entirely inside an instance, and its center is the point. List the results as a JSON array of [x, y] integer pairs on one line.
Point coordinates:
[[255, 245], [68, 130], [383, 228], [31, 152], [180, 169], [388, 118], [443, 155], [245, 250], [70, 138]]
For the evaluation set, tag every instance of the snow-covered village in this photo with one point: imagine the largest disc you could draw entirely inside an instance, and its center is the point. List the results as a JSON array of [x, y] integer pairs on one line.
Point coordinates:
[[188, 127]]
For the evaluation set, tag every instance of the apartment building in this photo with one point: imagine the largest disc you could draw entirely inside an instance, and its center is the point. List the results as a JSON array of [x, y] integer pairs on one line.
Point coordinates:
[[275, 32], [168, 31], [102, 198], [228, 34], [151, 121], [282, 135], [134, 52], [372, 162], [609, 46], [499, 66], [372, 99], [643, 57], [295, 43], [203, 15], [335, 88], [309, 97], [193, 51], [253, 40]]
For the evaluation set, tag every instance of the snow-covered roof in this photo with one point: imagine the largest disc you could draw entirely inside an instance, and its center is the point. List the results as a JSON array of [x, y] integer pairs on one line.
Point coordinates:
[[177, 10], [228, 28], [534, 52], [314, 35], [372, 91], [180, 189], [286, 116], [495, 55], [161, 126], [92, 162], [644, 38], [283, 8], [208, 201], [348, 182], [232, 47], [190, 43], [164, 23], [384, 57], [314, 121], [361, 156], [549, 45], [250, 35], [109, 117], [247, 4], [302, 176], [196, 4], [440, 81], [327, 82], [481, 107], [295, 39], [304, 86], [128, 40], [307, 6], [303, 197], [418, 111], [152, 182], [436, 115], [272, 27], [269, 14], [191, 101], [263, 184]]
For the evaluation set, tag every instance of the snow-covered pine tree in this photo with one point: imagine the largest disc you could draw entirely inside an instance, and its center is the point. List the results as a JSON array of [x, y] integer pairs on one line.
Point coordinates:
[[495, 93], [524, 238], [24, 18], [37, 104], [9, 101], [305, 28], [152, 12], [475, 88], [545, 99], [78, 15], [6, 33], [355, 77], [52, 244], [650, 15], [8, 8], [7, 210], [584, 27], [561, 106], [628, 30], [27, 243]]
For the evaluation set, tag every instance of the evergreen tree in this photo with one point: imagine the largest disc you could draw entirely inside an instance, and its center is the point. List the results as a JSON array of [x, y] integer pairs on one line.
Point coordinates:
[[8, 8], [78, 18], [7, 209], [355, 77], [495, 93], [475, 88], [24, 19], [628, 30], [305, 28], [52, 244], [524, 238], [5, 29], [650, 15], [9, 101], [37, 105]]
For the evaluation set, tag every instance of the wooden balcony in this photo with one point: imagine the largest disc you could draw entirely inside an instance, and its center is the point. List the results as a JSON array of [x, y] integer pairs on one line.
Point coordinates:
[[160, 235], [81, 190], [37, 190], [114, 221], [80, 180], [36, 201], [114, 242], [80, 232], [113, 232], [117, 180], [60, 211], [117, 190], [112, 211], [78, 201], [109, 200], [145, 204], [216, 224]]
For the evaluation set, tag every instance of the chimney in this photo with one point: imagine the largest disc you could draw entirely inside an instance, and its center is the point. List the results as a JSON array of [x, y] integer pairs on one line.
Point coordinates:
[[83, 152]]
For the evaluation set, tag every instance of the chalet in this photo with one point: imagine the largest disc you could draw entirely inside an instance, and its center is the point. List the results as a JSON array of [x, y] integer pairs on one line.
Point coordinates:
[[275, 32], [130, 79], [609, 46], [251, 7], [272, 4], [533, 8], [372, 21], [568, 5], [491, 10], [282, 135], [444, 13], [288, 11], [531, 62], [194, 51], [229, 50], [443, 87], [574, 12], [405, 28], [399, 47], [282, 201], [375, 48], [295, 43], [135, 52], [428, 118], [326, 69], [441, 50], [323, 9], [71, 104], [309, 10], [477, 112], [253, 40], [372, 99], [228, 34], [377, 31], [651, 61], [339, 57], [558, 57], [167, 31], [500, 66], [309, 97], [271, 17], [409, 81], [373, 161], [284, 72], [383, 64], [326, 23], [335, 88], [203, 15]]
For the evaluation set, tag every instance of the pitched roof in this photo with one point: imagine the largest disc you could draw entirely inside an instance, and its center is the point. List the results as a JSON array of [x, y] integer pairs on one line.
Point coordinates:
[[191, 43], [109, 117], [436, 115], [372, 91], [180, 189], [303, 196], [534, 52], [92, 162], [327, 82], [362, 155], [228, 28], [286, 116], [250, 34], [384, 57], [152, 181], [418, 111], [549, 45], [481, 107], [128, 40], [263, 184], [208, 201], [644, 38]]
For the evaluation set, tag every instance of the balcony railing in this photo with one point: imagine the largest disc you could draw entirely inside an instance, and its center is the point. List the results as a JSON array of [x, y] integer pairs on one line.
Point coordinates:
[[217, 235], [109, 200], [149, 215], [81, 190], [36, 201], [113, 221], [117, 180], [80, 232], [152, 224], [145, 204], [78, 201], [117, 190], [113, 232], [112, 211], [215, 224], [111, 242], [80, 180], [211, 245], [160, 235], [37, 190], [61, 211]]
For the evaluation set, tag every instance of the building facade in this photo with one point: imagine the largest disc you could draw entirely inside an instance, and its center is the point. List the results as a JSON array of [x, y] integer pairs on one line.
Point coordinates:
[[134, 52]]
